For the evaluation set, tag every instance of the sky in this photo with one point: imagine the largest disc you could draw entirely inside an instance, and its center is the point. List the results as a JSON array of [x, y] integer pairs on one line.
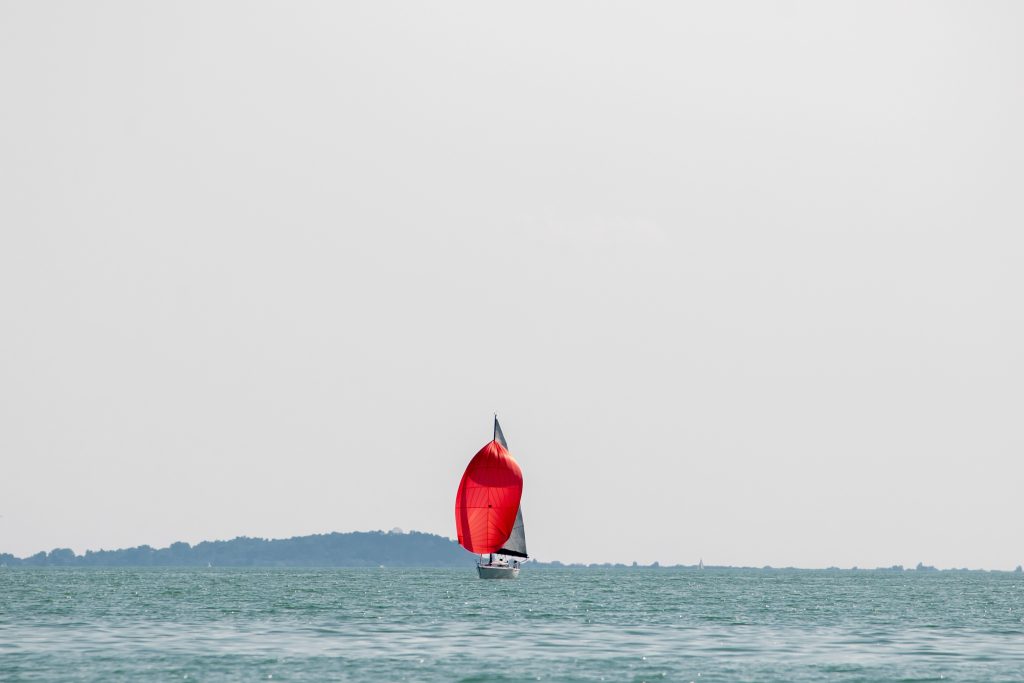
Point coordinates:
[[742, 280]]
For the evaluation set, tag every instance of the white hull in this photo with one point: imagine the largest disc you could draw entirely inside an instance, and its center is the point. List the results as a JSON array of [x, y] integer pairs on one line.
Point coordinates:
[[490, 571]]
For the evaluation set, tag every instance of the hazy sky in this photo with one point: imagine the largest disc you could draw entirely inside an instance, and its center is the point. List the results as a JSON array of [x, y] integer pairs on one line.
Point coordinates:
[[743, 281]]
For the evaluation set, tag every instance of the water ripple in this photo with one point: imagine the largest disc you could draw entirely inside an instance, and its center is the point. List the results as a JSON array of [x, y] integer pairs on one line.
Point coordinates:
[[586, 625]]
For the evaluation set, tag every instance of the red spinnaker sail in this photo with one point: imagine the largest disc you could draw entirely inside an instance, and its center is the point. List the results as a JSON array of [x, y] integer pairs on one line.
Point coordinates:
[[488, 499]]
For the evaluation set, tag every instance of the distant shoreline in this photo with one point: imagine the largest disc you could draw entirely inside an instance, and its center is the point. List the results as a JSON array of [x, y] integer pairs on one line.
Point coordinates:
[[368, 549]]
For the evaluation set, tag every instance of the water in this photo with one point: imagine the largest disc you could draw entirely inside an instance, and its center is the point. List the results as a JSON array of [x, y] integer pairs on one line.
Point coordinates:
[[552, 625]]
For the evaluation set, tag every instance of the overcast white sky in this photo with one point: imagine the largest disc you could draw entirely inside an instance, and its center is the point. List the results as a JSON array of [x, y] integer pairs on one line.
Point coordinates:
[[743, 280]]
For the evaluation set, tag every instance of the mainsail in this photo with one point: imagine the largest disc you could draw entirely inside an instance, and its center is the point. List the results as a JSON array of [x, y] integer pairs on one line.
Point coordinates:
[[516, 543], [487, 515], [498, 436]]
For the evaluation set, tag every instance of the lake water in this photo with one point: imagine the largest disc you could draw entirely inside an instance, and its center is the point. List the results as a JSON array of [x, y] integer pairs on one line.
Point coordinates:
[[552, 625]]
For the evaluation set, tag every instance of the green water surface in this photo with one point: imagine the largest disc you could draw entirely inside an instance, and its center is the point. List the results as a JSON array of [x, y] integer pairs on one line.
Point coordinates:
[[552, 625]]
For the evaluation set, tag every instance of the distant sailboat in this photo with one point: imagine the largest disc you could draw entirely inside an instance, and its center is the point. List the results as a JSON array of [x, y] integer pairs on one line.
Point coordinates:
[[488, 517]]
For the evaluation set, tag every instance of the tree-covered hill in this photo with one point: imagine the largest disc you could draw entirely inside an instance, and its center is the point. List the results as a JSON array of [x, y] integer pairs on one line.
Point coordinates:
[[357, 549]]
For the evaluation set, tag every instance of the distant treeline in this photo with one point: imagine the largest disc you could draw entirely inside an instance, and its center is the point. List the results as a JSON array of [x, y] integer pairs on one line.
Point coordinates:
[[357, 549], [393, 548]]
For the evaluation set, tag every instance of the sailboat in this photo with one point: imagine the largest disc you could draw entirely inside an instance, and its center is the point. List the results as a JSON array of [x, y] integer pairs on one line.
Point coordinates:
[[488, 517]]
